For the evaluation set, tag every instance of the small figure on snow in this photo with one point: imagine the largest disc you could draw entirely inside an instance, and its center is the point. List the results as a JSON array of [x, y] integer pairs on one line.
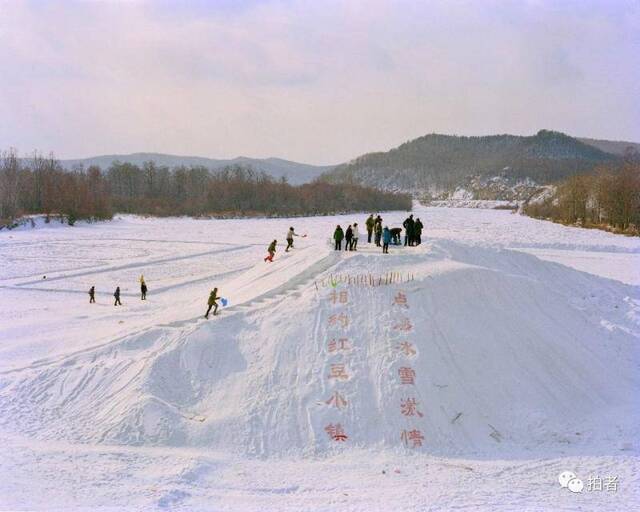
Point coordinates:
[[354, 240], [116, 294], [143, 289], [377, 228], [417, 231], [212, 303], [395, 235], [386, 238], [369, 223], [409, 226], [290, 234], [92, 295], [272, 251], [348, 237], [338, 235]]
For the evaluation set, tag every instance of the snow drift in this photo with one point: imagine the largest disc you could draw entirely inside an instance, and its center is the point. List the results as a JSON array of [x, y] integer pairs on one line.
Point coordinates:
[[508, 354]]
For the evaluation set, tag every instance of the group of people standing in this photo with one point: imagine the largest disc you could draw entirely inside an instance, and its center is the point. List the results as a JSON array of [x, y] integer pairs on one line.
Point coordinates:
[[116, 294], [382, 236], [412, 231], [350, 237]]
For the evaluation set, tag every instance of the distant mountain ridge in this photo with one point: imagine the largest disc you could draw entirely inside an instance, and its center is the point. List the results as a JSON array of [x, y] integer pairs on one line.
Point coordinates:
[[444, 162], [295, 172], [615, 147], [431, 162]]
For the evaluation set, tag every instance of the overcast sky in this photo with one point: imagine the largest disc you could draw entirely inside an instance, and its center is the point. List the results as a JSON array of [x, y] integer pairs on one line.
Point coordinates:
[[316, 81]]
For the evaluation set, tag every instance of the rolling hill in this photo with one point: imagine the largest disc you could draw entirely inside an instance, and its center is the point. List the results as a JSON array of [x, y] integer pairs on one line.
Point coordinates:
[[444, 162]]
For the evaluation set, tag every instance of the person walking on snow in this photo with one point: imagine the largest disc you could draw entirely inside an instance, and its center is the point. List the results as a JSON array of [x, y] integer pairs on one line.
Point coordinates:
[[386, 239], [338, 235], [92, 295], [348, 237], [378, 230], [143, 290], [290, 234], [272, 251], [369, 223], [116, 294], [212, 303], [417, 231], [356, 234]]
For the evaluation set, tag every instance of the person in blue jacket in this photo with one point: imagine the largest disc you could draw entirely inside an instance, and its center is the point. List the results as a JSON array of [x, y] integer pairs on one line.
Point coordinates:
[[386, 239]]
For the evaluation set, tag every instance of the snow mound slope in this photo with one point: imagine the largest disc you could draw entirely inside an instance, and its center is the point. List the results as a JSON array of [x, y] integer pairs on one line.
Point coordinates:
[[484, 352]]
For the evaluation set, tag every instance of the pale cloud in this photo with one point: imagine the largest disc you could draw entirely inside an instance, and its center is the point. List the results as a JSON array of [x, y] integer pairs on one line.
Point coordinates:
[[315, 81]]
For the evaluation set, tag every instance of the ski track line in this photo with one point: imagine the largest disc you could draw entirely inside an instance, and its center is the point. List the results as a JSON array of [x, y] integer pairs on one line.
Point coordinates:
[[93, 240], [133, 265], [132, 294]]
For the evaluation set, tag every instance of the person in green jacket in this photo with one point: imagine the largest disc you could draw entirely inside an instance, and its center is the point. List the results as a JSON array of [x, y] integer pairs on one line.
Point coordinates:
[[369, 223], [213, 303], [272, 251], [338, 235]]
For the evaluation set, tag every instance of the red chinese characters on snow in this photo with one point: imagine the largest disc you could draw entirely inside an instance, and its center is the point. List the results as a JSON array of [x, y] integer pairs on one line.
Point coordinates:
[[412, 438], [339, 297], [409, 407], [400, 300], [336, 432], [338, 371], [340, 345], [403, 325], [341, 320], [407, 349], [336, 400], [407, 375]]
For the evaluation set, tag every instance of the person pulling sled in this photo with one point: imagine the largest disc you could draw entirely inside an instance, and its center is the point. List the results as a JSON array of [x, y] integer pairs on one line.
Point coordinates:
[[212, 303], [290, 234]]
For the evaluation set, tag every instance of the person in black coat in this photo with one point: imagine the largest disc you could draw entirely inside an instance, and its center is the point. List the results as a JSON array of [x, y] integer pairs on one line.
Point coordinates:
[[409, 225], [92, 294], [395, 235], [116, 294], [143, 291], [348, 237], [417, 228]]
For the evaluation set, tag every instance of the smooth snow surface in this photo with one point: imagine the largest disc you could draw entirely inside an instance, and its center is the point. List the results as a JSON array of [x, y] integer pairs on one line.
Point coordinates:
[[517, 346]]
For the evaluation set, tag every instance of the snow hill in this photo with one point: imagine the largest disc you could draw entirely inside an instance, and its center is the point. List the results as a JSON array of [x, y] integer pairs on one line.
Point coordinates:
[[454, 348]]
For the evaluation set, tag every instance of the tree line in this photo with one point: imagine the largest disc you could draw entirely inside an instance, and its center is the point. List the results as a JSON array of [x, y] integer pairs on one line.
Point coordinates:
[[608, 198], [40, 185]]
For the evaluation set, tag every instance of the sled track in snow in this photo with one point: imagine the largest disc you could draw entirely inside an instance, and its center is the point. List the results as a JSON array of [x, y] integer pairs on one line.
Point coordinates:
[[129, 266]]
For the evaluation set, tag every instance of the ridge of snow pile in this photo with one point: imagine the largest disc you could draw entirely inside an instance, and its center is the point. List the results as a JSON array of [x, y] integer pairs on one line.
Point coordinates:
[[513, 355]]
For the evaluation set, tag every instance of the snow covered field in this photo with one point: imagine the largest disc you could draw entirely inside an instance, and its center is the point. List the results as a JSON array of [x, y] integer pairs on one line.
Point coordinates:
[[514, 358]]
